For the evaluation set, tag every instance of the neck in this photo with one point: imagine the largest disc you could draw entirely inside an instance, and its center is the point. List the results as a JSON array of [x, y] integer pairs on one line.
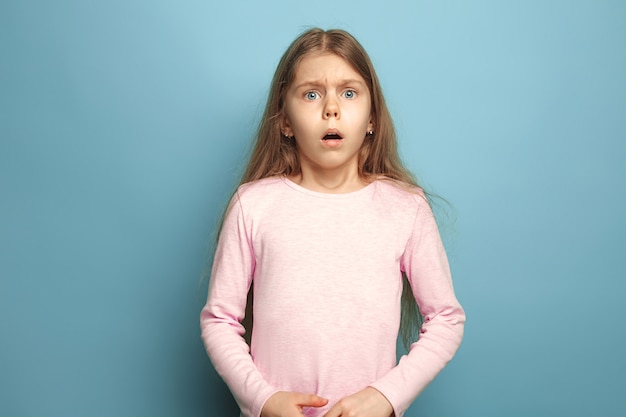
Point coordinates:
[[329, 181]]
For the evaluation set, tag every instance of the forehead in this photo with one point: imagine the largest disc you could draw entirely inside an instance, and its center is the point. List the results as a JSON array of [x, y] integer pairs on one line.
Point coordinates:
[[325, 66]]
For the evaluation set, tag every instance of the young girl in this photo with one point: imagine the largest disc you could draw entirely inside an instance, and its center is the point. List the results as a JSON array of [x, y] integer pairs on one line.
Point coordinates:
[[325, 224]]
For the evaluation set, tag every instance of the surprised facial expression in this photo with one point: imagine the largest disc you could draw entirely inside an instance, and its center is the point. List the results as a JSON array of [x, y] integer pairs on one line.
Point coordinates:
[[328, 111]]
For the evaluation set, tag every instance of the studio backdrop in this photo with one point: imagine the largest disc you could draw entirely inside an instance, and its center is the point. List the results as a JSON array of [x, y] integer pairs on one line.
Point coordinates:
[[125, 125]]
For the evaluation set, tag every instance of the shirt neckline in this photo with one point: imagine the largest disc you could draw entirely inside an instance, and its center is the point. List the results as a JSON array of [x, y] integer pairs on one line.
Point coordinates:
[[320, 194]]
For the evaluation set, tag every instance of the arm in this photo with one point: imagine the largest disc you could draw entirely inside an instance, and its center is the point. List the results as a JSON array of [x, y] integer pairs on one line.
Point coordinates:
[[426, 265], [220, 319], [222, 331]]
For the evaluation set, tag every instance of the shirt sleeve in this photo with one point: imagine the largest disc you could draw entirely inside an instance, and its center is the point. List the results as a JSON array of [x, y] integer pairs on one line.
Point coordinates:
[[220, 319], [426, 266]]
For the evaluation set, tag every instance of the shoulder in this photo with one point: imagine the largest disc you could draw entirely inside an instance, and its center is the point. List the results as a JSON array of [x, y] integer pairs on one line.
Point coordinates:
[[259, 195], [402, 194], [249, 197], [260, 188]]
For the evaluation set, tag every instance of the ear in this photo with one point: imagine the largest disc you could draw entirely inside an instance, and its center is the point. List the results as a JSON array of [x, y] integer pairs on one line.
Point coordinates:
[[285, 126], [370, 125]]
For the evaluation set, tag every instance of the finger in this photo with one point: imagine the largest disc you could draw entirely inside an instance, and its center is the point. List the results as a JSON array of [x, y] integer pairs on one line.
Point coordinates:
[[335, 411], [310, 400]]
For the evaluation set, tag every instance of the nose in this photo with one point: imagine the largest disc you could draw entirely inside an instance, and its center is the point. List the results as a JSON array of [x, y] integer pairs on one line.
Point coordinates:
[[331, 109]]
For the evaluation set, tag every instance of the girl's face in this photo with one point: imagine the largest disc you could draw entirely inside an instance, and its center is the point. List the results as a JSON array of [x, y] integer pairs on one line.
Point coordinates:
[[328, 111]]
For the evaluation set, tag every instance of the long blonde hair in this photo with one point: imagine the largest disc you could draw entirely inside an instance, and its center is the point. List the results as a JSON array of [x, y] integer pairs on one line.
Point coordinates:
[[274, 154]]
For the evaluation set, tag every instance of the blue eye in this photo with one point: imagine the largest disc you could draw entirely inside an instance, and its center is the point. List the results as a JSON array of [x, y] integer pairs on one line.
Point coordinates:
[[311, 95], [350, 94]]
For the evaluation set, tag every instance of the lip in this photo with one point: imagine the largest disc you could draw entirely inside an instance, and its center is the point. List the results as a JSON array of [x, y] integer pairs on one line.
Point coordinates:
[[332, 132]]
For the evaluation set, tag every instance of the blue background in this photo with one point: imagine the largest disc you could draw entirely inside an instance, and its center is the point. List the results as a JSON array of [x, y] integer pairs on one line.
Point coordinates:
[[124, 126]]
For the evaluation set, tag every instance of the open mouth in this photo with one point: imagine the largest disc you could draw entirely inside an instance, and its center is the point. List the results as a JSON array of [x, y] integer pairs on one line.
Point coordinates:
[[332, 135]]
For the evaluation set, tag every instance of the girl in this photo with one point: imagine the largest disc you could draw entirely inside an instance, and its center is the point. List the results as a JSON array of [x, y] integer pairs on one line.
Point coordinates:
[[325, 224]]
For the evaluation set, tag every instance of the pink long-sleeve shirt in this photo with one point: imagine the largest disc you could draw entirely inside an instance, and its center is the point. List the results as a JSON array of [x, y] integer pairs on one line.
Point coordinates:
[[327, 275]]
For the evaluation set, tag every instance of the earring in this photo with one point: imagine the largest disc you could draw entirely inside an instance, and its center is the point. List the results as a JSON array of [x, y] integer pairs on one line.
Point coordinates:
[[370, 133]]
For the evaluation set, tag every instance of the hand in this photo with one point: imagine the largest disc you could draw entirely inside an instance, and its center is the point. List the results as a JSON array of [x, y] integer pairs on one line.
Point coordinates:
[[365, 403], [289, 404]]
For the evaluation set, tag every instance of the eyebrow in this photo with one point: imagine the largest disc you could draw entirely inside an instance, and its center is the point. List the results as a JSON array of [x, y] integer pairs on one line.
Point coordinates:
[[349, 81]]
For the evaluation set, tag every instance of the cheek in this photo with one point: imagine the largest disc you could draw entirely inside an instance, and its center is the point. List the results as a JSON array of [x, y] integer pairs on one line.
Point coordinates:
[[299, 120], [290, 119], [362, 119]]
